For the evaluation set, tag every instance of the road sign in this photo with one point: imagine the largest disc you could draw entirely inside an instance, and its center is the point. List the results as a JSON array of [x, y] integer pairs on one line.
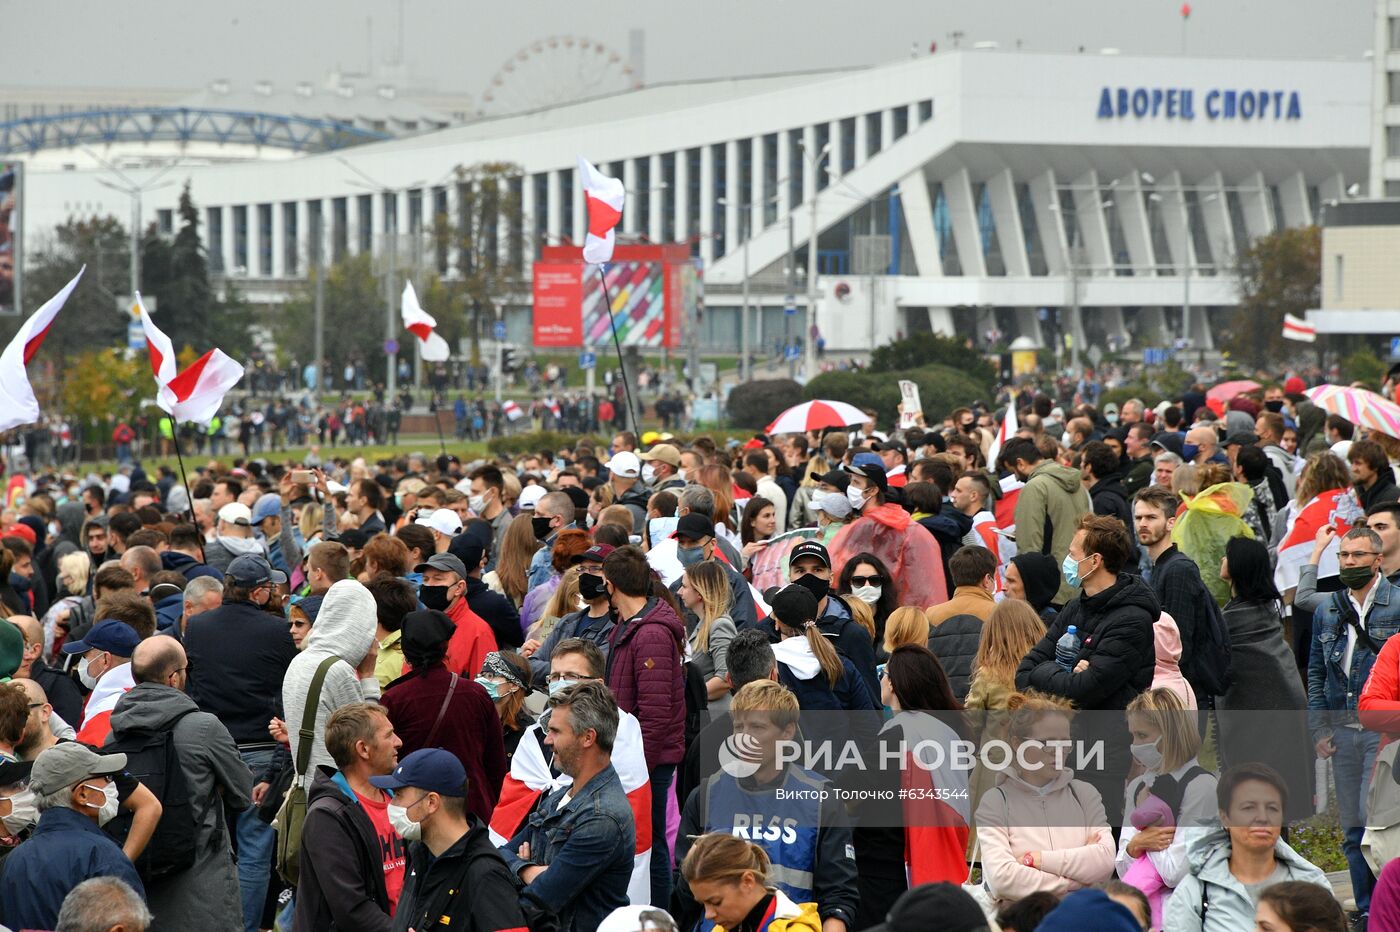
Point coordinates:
[[792, 352], [1394, 347], [391, 346], [135, 335], [1154, 356], [587, 360], [790, 305], [500, 330]]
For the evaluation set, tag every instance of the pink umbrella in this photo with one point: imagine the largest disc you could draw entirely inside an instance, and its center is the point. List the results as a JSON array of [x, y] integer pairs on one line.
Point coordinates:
[[1362, 407], [816, 415], [1226, 391]]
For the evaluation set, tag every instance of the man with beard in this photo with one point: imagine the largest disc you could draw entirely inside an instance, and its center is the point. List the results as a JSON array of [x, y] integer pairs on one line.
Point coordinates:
[[1174, 577]]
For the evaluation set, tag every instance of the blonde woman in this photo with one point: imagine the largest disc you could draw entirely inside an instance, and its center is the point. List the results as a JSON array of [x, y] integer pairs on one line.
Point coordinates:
[[1009, 633], [728, 877], [908, 625], [564, 601], [73, 572], [705, 591]]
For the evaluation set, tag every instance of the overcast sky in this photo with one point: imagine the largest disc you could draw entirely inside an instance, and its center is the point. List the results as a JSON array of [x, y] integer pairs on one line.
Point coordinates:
[[457, 45]]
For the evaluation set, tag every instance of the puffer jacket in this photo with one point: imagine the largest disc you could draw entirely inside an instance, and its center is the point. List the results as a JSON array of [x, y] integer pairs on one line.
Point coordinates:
[[344, 628], [1051, 500], [646, 659], [1115, 631], [1228, 906], [955, 642]]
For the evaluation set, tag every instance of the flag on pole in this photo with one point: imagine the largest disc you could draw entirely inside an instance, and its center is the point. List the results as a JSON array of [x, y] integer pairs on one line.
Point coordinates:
[[431, 347], [18, 406], [604, 197], [196, 393], [1006, 432], [1296, 328]]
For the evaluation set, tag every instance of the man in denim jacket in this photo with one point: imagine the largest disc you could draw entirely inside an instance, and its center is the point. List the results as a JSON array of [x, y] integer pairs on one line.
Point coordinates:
[[1348, 631], [575, 852]]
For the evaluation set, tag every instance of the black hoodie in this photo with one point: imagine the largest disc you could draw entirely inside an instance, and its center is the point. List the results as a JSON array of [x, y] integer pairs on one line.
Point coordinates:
[[1040, 576]]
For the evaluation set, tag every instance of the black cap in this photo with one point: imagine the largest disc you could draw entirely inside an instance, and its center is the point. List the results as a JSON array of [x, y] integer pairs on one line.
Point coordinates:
[[876, 474], [894, 445], [576, 495], [809, 548], [354, 538], [1168, 440], [424, 630], [794, 606], [694, 526], [1246, 438], [956, 910], [837, 477]]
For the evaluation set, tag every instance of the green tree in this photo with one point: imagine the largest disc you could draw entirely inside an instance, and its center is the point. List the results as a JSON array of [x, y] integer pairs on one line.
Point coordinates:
[[90, 319], [1279, 274], [928, 349], [354, 315], [101, 387]]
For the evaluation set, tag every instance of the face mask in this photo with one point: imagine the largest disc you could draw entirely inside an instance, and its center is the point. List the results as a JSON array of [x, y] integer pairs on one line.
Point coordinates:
[[1189, 451], [23, 812], [108, 810], [683, 475], [434, 597], [399, 821], [856, 497], [814, 584], [53, 528], [867, 594], [658, 529], [1070, 568], [1356, 577], [1148, 755], [1065, 439], [689, 556], [1274, 406], [589, 522], [398, 500], [558, 686], [648, 474], [493, 689], [591, 587], [540, 526], [477, 503], [87, 678]]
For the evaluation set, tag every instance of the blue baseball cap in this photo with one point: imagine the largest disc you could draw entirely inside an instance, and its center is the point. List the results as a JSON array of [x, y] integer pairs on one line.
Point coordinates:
[[251, 570], [267, 506], [867, 459], [431, 769], [115, 637]]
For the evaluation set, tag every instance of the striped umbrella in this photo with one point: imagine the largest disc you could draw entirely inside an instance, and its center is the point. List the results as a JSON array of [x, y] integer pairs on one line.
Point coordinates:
[[1362, 407], [1226, 391], [816, 415]]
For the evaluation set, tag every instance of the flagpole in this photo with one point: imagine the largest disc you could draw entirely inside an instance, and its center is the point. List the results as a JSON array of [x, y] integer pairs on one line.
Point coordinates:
[[621, 366], [179, 458], [437, 422]]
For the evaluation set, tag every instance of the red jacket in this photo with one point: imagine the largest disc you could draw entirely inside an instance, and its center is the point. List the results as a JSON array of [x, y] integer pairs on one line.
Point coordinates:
[[647, 659], [470, 729], [1379, 704], [470, 644]]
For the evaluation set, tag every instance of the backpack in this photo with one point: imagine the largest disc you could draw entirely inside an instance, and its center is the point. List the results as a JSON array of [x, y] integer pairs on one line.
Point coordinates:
[[292, 815], [1212, 652], [151, 758]]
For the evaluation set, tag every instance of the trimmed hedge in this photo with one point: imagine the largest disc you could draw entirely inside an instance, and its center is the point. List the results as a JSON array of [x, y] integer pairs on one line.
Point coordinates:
[[930, 349], [941, 389], [755, 404]]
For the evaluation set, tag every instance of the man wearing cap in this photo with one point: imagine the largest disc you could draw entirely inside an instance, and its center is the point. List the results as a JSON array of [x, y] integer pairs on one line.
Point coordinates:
[[661, 466], [1048, 506], [444, 525], [886, 530], [458, 881], [809, 566], [104, 668], [238, 658], [206, 895], [233, 537], [444, 589], [624, 475], [71, 785], [432, 706], [696, 543], [267, 521], [593, 623], [895, 457], [554, 512], [500, 613]]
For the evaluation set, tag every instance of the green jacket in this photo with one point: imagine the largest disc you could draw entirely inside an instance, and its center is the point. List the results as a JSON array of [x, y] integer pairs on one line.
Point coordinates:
[[1053, 498]]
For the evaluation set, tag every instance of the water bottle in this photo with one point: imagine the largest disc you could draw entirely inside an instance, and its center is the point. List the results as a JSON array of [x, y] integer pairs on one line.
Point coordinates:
[[1067, 648]]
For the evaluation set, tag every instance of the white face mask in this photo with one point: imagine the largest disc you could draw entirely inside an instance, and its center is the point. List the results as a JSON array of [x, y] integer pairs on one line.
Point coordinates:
[[24, 813], [558, 686], [648, 474], [88, 679], [1148, 755], [400, 822], [681, 473], [867, 594], [477, 503], [1065, 439], [108, 810], [856, 497]]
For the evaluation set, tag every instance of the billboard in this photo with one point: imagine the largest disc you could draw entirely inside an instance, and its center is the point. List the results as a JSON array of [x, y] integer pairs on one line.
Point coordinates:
[[557, 296], [650, 287], [11, 238]]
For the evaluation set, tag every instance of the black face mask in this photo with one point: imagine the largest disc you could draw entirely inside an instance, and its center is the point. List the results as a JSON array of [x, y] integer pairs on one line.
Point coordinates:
[[814, 584], [434, 597], [1274, 406], [541, 527], [592, 587]]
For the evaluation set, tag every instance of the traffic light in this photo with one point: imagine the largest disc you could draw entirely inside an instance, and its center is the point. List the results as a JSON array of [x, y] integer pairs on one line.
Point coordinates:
[[508, 362]]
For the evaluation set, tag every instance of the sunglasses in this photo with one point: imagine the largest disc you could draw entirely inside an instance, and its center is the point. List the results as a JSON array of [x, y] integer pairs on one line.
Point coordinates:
[[866, 580]]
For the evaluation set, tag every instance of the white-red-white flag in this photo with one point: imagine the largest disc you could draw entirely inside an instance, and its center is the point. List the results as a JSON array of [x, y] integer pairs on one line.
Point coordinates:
[[604, 198], [512, 411], [18, 406], [1004, 433], [1296, 328], [431, 347], [196, 393]]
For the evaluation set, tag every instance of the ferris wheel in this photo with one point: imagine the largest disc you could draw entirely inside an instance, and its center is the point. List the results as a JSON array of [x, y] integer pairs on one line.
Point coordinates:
[[553, 71]]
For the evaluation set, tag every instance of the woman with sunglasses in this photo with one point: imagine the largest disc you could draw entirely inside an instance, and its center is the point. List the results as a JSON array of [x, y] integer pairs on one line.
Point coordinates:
[[866, 579]]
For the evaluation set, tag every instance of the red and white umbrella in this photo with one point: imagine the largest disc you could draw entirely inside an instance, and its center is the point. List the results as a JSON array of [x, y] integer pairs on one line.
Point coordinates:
[[1362, 407], [816, 415], [1226, 391]]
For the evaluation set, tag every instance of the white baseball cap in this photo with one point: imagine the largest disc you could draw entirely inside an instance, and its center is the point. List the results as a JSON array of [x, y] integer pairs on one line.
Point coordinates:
[[625, 464], [236, 513], [443, 520], [530, 496]]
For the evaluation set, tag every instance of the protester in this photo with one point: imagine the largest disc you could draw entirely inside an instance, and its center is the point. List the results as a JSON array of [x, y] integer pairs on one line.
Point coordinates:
[[1298, 906], [444, 590], [499, 613], [103, 904], [864, 580], [696, 542], [233, 538], [887, 531], [1034, 578], [393, 599], [1175, 578], [957, 624], [594, 622], [568, 546], [906, 625], [808, 664], [433, 706], [809, 567], [704, 591], [105, 669], [1048, 507], [729, 876], [506, 678], [62, 692], [554, 512]]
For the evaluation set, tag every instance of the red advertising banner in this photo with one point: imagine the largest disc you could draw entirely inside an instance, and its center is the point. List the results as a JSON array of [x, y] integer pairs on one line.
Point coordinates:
[[558, 304]]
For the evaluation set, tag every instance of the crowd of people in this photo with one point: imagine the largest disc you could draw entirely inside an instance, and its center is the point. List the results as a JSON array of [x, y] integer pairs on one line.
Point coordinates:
[[561, 690]]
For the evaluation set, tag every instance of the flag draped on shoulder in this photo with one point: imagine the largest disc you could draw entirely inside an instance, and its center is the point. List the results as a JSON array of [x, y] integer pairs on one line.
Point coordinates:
[[604, 197], [1337, 507], [431, 347], [18, 406], [196, 393], [531, 778]]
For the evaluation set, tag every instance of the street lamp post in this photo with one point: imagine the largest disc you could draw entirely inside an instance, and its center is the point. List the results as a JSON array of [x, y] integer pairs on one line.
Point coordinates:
[[809, 344], [134, 191]]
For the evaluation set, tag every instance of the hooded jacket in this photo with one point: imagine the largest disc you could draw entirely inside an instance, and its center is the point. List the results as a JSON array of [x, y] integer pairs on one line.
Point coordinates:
[[645, 659], [1228, 906], [1115, 631], [206, 896], [1040, 577], [913, 556], [1047, 511], [800, 671], [1110, 498], [344, 628], [220, 551], [1166, 672], [341, 885], [188, 566]]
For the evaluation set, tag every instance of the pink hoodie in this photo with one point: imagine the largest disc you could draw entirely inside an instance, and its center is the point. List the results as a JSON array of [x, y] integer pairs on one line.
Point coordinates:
[[1167, 673]]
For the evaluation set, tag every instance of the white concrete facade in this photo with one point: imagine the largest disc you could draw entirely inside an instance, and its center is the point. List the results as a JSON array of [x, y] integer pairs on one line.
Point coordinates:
[[1016, 183]]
